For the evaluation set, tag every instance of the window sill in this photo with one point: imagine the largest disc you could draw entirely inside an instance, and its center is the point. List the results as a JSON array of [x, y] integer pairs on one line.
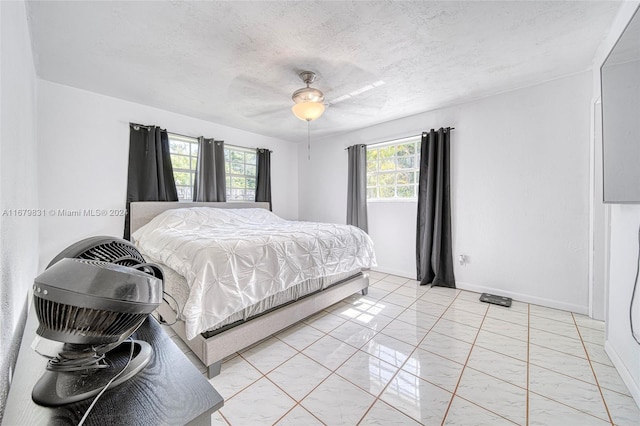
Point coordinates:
[[393, 200]]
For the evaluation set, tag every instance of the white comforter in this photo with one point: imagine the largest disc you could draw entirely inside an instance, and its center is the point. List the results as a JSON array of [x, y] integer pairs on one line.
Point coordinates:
[[233, 258]]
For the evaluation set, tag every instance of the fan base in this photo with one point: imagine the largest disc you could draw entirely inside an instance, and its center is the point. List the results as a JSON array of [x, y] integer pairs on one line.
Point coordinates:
[[57, 388]]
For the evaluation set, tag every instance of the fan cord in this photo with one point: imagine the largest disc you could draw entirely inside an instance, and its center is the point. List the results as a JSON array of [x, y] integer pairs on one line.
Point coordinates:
[[160, 319], [61, 363], [633, 293], [69, 363], [86, 414]]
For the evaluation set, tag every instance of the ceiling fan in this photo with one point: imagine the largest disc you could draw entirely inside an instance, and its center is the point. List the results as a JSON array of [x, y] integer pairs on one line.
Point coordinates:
[[309, 102], [345, 93]]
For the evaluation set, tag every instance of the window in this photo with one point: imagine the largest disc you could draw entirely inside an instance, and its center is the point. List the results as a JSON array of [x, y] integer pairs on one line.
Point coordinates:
[[393, 170], [240, 168], [184, 156]]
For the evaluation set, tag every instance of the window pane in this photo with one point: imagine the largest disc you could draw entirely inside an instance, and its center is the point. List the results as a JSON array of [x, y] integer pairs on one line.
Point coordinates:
[[237, 182], [181, 192], [237, 168], [176, 147], [180, 161], [184, 193], [194, 163], [194, 149], [405, 191], [402, 150], [227, 155], [372, 154], [182, 178], [251, 183], [386, 179], [406, 162], [250, 170], [386, 165], [372, 193], [237, 194], [372, 166], [372, 180], [250, 195], [406, 149], [387, 152], [250, 158], [387, 191], [404, 178], [237, 156]]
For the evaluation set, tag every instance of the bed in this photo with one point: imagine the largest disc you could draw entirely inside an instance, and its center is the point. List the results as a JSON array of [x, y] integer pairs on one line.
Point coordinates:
[[238, 276]]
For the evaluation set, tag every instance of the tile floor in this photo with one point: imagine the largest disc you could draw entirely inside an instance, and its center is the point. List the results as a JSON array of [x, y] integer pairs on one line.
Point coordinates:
[[406, 354]]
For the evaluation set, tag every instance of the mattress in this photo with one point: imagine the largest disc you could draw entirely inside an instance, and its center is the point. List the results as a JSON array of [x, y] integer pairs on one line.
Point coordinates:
[[233, 259], [175, 285]]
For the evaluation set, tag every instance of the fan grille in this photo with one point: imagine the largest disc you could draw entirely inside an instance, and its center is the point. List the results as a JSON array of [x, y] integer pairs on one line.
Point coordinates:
[[113, 252], [102, 325]]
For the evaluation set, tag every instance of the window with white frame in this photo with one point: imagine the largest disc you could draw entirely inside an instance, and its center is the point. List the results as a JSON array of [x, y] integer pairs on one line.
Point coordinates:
[[393, 169], [184, 156], [240, 168]]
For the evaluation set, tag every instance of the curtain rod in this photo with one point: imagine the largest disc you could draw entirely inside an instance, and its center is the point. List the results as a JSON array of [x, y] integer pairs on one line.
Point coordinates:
[[174, 133], [399, 139], [191, 137]]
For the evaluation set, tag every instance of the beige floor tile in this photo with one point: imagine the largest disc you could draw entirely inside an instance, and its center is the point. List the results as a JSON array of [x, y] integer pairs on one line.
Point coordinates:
[[408, 346]]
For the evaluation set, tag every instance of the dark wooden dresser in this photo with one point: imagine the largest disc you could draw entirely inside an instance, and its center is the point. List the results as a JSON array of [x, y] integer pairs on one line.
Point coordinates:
[[169, 391]]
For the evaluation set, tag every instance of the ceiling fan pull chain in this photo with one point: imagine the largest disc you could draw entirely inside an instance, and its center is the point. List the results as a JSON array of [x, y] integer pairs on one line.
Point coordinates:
[[308, 140]]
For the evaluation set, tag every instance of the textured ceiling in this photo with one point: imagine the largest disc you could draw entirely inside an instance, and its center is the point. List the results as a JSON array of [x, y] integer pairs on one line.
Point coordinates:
[[236, 63]]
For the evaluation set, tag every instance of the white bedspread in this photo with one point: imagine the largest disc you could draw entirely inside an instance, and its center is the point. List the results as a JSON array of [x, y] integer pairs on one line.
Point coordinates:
[[232, 258]]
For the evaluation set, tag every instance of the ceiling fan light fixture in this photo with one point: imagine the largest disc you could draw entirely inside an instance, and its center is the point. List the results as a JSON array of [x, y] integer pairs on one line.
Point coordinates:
[[309, 101], [308, 111]]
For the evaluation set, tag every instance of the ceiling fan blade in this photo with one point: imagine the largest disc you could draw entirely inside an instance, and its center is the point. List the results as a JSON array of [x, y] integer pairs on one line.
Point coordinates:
[[262, 112], [251, 86], [356, 92], [252, 96]]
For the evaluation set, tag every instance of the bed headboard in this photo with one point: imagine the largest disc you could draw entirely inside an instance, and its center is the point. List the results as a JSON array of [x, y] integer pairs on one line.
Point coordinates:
[[143, 211]]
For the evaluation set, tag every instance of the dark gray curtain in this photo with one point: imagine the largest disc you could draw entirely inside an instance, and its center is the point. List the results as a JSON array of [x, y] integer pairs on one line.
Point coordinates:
[[263, 176], [434, 257], [357, 187], [150, 176], [209, 181]]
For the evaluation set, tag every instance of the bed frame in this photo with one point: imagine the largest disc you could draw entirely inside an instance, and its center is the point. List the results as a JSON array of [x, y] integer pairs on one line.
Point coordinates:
[[213, 350]]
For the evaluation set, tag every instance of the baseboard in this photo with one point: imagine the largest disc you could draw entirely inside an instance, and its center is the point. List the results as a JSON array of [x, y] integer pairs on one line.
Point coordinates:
[[550, 303], [520, 297], [403, 274], [626, 376]]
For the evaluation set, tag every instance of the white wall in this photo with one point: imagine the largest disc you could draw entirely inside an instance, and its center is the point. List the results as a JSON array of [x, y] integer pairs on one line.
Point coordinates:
[[622, 247], [620, 346], [18, 186], [520, 179], [84, 148]]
